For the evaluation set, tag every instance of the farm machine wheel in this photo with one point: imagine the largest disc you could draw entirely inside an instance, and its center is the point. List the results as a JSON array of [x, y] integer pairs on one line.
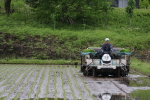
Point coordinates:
[[117, 72], [94, 72], [83, 68], [85, 73]]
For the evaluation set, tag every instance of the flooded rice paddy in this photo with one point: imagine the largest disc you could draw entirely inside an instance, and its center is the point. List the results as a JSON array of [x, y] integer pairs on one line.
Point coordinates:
[[49, 82]]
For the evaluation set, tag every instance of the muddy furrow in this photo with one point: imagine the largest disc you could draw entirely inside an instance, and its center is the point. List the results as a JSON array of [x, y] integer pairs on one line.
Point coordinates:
[[76, 82], [30, 87], [51, 89], [66, 84], [61, 75], [37, 84], [4, 72], [7, 75], [44, 83], [17, 81], [10, 80], [48, 82], [24, 83], [59, 86], [40, 84], [81, 85], [74, 86], [99, 88]]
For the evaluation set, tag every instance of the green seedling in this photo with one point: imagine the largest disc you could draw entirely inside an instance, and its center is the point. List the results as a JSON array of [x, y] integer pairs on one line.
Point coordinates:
[[34, 83], [41, 82], [16, 97], [55, 82], [17, 84], [76, 83], [86, 86], [64, 91], [70, 84], [48, 84], [12, 75]]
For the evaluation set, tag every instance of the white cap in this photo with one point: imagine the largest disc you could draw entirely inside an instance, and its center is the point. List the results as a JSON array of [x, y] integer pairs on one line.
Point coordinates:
[[107, 39]]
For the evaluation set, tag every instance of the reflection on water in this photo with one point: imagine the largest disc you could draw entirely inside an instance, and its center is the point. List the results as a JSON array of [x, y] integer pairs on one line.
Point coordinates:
[[109, 96]]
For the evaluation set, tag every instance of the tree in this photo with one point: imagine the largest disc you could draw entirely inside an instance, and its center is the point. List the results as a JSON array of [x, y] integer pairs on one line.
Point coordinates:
[[7, 6], [105, 8], [66, 11], [144, 3], [129, 9]]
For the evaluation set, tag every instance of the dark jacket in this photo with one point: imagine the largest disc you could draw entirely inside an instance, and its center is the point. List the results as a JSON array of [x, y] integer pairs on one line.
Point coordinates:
[[107, 47]]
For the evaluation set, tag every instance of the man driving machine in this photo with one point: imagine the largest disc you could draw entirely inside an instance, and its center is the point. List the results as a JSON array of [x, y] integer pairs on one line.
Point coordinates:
[[107, 48]]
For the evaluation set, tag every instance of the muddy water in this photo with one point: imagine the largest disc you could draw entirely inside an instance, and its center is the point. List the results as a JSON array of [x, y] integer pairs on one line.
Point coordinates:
[[43, 81], [117, 87]]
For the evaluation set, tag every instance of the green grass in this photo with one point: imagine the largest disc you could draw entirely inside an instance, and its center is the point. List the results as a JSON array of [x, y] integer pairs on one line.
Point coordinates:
[[141, 95], [143, 67], [37, 61], [70, 40], [139, 82]]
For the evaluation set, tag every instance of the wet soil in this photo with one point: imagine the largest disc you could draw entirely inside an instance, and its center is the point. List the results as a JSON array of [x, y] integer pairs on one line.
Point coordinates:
[[64, 82]]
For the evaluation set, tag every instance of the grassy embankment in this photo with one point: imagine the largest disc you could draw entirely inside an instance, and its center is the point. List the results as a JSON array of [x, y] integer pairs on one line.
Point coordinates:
[[143, 67], [38, 61], [141, 95], [71, 40]]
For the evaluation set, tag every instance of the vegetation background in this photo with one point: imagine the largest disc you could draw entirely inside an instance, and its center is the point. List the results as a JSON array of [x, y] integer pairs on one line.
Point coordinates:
[[54, 29], [44, 29]]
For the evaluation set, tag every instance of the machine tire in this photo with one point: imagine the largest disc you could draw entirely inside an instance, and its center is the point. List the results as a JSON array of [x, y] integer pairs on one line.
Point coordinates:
[[104, 74], [94, 72], [124, 73], [83, 68], [85, 73], [90, 72], [117, 72]]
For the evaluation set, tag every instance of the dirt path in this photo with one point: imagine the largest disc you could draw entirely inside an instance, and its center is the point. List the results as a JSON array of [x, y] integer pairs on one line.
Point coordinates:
[[62, 82]]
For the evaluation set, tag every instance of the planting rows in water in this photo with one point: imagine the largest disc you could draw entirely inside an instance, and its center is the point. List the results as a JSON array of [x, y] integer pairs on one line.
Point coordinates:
[[29, 82]]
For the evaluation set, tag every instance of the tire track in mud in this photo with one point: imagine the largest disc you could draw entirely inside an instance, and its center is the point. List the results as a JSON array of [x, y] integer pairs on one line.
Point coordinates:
[[119, 87], [105, 86]]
